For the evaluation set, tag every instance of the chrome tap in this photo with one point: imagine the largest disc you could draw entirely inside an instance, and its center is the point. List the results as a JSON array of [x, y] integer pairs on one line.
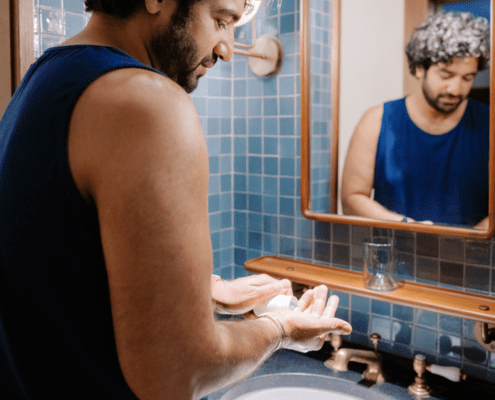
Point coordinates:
[[341, 358]]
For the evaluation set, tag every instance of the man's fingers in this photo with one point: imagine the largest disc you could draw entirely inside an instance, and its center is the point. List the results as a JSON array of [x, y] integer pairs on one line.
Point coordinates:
[[340, 327], [286, 287], [331, 308], [305, 300], [320, 298]]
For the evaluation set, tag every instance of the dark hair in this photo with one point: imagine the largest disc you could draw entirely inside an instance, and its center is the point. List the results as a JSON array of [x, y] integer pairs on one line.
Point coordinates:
[[126, 8], [444, 37]]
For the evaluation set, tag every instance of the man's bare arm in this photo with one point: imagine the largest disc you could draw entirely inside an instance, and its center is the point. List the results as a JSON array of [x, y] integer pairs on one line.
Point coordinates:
[[359, 170], [136, 149], [483, 224]]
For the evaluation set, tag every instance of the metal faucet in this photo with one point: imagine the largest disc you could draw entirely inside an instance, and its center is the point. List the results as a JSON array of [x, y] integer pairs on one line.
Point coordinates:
[[341, 358], [419, 387]]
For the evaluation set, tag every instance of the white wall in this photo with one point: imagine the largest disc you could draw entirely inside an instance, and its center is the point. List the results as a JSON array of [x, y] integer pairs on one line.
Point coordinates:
[[371, 69]]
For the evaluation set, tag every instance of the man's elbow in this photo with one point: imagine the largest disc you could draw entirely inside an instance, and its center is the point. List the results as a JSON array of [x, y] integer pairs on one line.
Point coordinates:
[[347, 206], [351, 203]]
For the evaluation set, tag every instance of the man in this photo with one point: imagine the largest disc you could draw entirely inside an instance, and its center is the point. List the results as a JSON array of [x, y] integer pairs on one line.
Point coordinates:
[[426, 155], [105, 254]]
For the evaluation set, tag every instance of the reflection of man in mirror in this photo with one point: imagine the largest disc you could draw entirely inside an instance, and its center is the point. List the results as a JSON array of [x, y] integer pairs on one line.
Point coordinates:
[[426, 155]]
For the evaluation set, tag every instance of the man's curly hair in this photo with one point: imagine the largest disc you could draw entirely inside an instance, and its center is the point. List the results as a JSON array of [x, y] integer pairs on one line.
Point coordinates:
[[126, 8], [443, 37]]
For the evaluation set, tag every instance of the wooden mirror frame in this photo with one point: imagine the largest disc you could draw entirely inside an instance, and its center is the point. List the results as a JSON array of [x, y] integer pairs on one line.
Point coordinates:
[[21, 38], [305, 41]]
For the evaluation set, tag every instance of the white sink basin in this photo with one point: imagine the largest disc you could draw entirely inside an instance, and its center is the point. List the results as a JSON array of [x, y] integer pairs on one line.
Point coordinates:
[[292, 386], [291, 393]]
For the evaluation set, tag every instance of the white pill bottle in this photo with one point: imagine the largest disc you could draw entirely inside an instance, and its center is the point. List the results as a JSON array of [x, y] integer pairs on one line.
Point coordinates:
[[279, 302]]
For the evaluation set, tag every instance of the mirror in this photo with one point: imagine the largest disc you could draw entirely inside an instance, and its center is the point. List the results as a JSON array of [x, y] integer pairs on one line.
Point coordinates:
[[336, 90]]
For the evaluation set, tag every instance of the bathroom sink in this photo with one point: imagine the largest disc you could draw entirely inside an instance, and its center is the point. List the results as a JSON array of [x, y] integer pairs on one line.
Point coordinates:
[[295, 386]]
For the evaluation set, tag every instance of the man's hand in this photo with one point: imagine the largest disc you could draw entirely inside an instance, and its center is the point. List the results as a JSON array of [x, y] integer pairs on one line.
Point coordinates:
[[306, 328], [242, 295]]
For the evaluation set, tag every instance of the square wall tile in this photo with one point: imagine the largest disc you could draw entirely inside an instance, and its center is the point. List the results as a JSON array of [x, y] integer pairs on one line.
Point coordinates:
[[426, 318], [403, 313], [341, 233], [359, 303], [360, 322], [401, 333], [427, 245], [478, 252], [450, 324], [382, 326], [428, 269], [425, 339], [450, 346], [322, 251], [360, 234], [286, 226], [341, 255], [474, 353], [51, 3], [477, 278], [452, 249], [451, 273]]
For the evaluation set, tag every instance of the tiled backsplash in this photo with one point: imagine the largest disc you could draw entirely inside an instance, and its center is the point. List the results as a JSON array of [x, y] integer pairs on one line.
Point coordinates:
[[252, 129]]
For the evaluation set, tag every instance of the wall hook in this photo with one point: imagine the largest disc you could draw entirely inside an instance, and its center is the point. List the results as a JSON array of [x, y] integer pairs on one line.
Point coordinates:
[[485, 335]]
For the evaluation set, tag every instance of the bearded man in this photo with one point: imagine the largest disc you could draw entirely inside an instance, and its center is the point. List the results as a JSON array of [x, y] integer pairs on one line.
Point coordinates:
[[426, 155], [105, 254]]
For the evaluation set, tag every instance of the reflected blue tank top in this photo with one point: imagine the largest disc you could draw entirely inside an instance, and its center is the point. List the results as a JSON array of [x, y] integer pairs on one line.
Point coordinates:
[[56, 333], [442, 178]]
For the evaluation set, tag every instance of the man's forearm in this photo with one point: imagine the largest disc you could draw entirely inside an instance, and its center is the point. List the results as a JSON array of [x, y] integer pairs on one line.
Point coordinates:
[[363, 206], [240, 348]]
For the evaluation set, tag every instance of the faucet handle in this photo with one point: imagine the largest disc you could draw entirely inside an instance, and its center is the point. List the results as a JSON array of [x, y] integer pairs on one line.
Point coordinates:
[[452, 373], [419, 387], [335, 340], [375, 338]]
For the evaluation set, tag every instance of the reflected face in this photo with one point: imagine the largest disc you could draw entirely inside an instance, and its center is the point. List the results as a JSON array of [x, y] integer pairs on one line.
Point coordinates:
[[194, 39], [446, 86]]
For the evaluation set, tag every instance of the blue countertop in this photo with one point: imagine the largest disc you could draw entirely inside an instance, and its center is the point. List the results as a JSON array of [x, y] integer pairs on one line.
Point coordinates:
[[284, 361]]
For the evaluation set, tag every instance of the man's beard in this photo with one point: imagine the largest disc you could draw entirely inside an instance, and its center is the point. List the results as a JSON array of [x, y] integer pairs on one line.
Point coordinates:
[[435, 102], [175, 52]]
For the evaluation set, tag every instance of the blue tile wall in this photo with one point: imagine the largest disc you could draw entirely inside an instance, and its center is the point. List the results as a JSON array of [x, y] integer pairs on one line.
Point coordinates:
[[56, 21], [441, 261], [252, 129]]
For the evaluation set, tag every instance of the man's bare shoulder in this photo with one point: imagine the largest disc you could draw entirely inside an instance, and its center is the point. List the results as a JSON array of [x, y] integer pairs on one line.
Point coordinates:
[[137, 118], [370, 123], [134, 87], [146, 100], [373, 114]]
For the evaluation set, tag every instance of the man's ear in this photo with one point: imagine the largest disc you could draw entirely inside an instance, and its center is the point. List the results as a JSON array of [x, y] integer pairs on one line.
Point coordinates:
[[153, 6], [419, 73]]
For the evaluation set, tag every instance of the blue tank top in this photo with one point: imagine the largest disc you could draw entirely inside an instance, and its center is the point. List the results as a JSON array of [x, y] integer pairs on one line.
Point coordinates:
[[56, 333], [442, 178]]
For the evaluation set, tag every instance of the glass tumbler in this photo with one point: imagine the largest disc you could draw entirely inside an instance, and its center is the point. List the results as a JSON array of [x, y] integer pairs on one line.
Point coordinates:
[[380, 268]]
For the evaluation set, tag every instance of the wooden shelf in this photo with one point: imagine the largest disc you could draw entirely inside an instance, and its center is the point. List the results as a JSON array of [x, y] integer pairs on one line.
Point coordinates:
[[445, 301]]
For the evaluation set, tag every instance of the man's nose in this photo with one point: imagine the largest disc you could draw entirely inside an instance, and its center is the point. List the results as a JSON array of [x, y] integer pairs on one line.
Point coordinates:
[[224, 50], [454, 87]]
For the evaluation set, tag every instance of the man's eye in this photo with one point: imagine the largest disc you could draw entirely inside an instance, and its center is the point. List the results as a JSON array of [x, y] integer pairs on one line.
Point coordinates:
[[221, 25]]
